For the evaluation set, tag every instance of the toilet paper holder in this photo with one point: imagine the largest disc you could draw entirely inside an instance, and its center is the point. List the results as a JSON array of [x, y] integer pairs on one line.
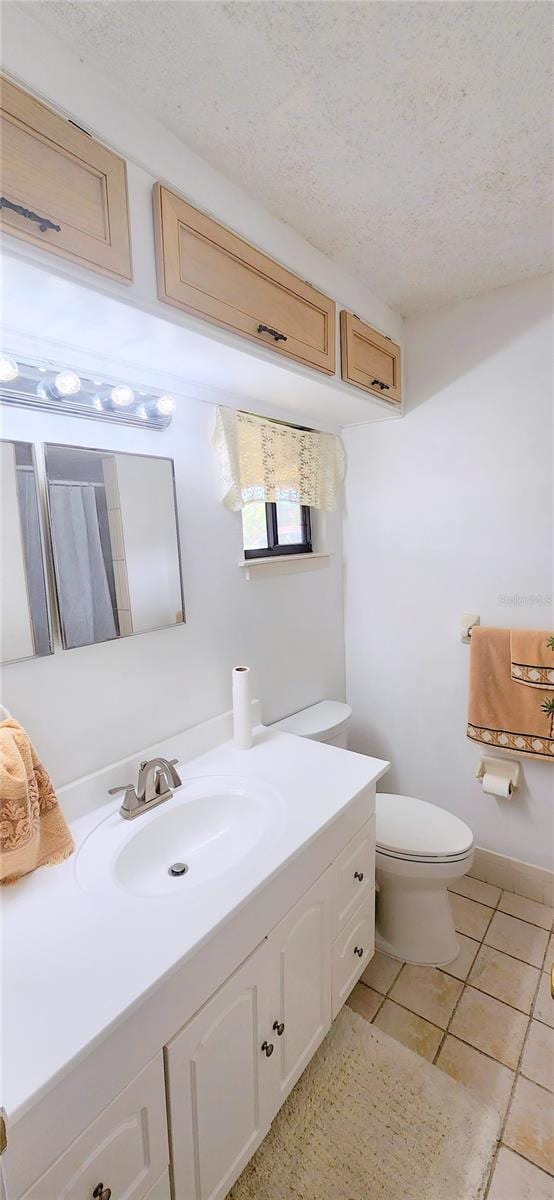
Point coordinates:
[[503, 769]]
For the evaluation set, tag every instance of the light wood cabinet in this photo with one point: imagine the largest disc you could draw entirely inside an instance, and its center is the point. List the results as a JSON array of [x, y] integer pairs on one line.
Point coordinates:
[[207, 270], [368, 359], [125, 1149], [71, 191]]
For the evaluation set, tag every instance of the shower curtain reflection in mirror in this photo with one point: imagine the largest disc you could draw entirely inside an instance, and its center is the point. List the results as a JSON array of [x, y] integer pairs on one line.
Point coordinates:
[[24, 620], [115, 543]]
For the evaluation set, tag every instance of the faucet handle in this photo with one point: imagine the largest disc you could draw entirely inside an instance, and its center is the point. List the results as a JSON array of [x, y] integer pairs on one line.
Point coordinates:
[[116, 790]]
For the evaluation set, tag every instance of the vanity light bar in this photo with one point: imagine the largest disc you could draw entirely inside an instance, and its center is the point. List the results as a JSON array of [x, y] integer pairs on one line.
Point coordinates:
[[52, 387]]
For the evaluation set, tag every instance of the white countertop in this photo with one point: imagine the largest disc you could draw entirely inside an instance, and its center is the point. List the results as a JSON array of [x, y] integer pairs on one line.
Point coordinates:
[[75, 963]]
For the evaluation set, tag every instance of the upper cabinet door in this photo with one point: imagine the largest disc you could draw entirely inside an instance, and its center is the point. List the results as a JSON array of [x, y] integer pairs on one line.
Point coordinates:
[[207, 270], [369, 359], [72, 190]]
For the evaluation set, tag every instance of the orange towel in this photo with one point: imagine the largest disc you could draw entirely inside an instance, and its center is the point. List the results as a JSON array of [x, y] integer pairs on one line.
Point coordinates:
[[500, 712], [33, 831], [532, 655]]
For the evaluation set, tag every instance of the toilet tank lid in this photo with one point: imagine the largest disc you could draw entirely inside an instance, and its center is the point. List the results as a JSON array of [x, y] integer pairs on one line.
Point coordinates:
[[319, 721]]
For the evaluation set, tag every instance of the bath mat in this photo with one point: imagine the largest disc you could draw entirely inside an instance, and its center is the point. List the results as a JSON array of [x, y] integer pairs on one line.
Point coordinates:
[[371, 1120]]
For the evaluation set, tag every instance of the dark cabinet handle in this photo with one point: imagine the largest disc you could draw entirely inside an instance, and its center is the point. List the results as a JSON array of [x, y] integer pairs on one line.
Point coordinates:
[[268, 1048], [359, 876], [101, 1193], [43, 223], [274, 333], [359, 951], [279, 1028], [385, 387]]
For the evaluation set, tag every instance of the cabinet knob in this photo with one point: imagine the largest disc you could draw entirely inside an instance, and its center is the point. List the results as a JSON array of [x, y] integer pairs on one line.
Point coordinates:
[[101, 1193], [279, 1028], [359, 951], [268, 1048], [385, 387], [274, 333], [358, 875]]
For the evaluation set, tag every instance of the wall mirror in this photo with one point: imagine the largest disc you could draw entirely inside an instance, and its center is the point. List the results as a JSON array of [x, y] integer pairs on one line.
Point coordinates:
[[115, 543], [24, 620]]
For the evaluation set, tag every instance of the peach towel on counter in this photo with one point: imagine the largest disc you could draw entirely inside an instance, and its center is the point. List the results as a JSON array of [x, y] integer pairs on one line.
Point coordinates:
[[532, 657], [501, 712], [33, 830]]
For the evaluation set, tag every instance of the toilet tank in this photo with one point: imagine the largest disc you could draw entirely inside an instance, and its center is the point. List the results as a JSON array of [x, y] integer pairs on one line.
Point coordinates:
[[327, 721]]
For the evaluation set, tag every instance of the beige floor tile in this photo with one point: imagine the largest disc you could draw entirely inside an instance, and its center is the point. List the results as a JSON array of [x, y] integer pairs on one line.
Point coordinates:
[[461, 966], [516, 1179], [364, 1001], [537, 1061], [507, 978], [530, 1126], [517, 938], [475, 889], [428, 992], [469, 917], [381, 972], [489, 1080], [490, 1026], [544, 1004], [527, 910], [412, 1031]]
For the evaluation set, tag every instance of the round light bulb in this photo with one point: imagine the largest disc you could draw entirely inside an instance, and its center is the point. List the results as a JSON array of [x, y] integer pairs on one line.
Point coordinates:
[[8, 369], [166, 406], [122, 396], [67, 383]]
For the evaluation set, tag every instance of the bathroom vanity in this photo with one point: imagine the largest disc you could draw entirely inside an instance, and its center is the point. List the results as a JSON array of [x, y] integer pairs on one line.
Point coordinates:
[[154, 1024]]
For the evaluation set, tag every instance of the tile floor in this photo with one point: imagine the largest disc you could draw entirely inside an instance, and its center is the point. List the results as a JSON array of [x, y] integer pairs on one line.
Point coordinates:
[[487, 1019]]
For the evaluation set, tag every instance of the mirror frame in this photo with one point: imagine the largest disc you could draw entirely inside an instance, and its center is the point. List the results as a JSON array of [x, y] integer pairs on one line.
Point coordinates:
[[44, 534]]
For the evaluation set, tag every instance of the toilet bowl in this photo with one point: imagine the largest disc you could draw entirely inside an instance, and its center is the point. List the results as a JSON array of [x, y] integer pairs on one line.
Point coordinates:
[[420, 849]]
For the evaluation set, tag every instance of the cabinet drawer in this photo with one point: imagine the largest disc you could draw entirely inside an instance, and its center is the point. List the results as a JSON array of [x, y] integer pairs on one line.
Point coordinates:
[[355, 874], [125, 1149], [352, 951], [207, 270], [56, 171], [369, 359]]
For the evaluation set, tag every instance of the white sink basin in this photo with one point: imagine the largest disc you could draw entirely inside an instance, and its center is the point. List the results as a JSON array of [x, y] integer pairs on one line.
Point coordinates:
[[210, 826]]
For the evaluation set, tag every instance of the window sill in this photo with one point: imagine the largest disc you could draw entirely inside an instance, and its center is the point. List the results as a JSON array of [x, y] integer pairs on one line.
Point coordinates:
[[285, 564]]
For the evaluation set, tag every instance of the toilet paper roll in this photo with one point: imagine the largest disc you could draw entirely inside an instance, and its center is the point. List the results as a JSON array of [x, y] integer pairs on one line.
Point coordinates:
[[496, 785], [242, 708]]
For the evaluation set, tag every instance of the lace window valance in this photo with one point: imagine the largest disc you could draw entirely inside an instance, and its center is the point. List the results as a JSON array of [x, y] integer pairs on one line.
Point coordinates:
[[266, 460]]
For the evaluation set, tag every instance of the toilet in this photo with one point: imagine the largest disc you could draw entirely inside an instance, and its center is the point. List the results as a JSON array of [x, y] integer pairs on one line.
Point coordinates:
[[420, 849]]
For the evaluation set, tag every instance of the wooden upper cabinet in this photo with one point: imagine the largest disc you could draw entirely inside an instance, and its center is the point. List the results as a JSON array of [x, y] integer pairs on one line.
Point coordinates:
[[207, 270], [74, 185], [369, 360]]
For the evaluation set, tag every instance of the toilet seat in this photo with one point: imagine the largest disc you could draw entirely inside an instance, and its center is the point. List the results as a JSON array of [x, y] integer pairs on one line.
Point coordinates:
[[413, 830]]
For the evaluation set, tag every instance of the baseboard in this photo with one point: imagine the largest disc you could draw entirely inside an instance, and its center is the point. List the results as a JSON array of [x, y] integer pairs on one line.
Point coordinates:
[[535, 883]]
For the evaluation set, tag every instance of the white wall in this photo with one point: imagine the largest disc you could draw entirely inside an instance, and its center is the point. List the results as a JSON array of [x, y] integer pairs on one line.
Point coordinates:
[[16, 631], [450, 511], [92, 705]]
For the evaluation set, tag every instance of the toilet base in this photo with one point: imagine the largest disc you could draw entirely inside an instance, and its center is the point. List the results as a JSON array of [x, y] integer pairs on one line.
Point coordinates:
[[414, 920]]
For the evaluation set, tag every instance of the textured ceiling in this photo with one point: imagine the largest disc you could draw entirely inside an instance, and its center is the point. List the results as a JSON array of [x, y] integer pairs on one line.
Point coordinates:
[[408, 141]]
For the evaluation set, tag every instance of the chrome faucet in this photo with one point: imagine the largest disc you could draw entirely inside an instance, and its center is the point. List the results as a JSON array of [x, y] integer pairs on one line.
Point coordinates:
[[157, 781]]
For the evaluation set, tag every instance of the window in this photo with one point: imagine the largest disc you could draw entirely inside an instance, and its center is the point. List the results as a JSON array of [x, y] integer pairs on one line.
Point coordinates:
[[273, 529]]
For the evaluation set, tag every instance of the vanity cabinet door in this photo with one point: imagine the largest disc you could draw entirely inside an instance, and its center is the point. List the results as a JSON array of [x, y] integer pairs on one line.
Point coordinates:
[[301, 992], [221, 1083], [125, 1149]]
